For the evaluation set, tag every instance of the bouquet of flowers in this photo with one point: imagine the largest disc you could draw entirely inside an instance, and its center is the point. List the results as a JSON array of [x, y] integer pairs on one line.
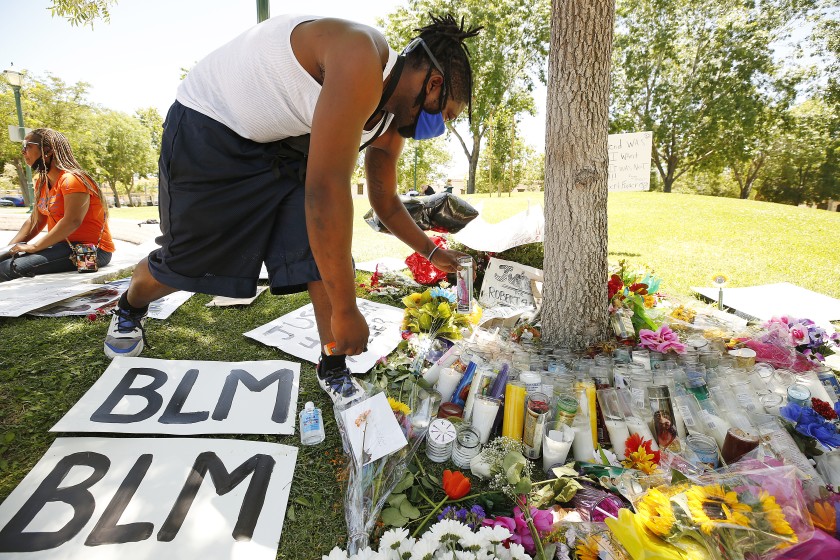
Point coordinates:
[[370, 483], [632, 294], [803, 335], [751, 510], [433, 311], [447, 538]]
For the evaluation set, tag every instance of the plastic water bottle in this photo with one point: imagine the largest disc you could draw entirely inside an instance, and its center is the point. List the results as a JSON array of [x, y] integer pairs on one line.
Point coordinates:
[[311, 425]]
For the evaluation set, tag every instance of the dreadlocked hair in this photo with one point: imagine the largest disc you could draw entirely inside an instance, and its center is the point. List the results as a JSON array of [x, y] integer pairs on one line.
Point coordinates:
[[445, 38], [62, 157]]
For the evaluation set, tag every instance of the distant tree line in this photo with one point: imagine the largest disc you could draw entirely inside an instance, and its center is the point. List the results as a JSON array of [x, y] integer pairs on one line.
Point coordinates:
[[118, 149]]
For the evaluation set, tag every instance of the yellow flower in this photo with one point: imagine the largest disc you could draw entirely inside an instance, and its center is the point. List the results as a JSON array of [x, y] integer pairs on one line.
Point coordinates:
[[629, 530], [640, 460], [398, 406], [650, 301], [588, 549], [712, 506], [773, 514], [684, 314], [824, 517], [656, 513]]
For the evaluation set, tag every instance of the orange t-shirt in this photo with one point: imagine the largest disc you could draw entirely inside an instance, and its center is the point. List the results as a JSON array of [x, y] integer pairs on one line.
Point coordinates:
[[51, 204]]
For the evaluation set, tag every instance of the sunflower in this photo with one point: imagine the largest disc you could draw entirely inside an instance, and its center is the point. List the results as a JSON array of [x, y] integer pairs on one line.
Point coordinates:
[[399, 406], [712, 505], [824, 517], [774, 515], [657, 515], [588, 549], [629, 530]]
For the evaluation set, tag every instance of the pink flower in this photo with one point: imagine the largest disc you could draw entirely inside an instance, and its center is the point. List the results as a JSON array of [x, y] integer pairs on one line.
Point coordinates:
[[663, 340], [799, 334]]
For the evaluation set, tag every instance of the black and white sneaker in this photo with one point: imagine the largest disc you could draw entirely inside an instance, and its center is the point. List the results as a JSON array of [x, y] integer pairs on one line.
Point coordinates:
[[339, 384], [126, 334]]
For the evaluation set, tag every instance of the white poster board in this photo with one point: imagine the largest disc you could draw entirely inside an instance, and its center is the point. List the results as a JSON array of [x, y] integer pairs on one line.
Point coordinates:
[[21, 296], [510, 284], [164, 307], [185, 397], [523, 228], [629, 161], [150, 499], [98, 301], [297, 334], [223, 301]]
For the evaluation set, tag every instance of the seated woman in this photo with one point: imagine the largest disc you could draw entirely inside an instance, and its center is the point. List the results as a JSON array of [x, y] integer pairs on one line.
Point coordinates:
[[70, 204]]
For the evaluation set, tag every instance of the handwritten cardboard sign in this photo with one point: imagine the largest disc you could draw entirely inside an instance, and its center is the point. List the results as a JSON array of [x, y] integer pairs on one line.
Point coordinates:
[[523, 228], [140, 498], [297, 334], [510, 284], [629, 161], [183, 397]]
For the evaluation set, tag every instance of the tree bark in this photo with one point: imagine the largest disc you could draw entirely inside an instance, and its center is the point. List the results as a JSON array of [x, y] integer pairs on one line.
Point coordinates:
[[574, 311]]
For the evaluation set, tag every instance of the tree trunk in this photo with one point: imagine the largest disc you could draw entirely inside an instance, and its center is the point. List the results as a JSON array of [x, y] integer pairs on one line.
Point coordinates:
[[574, 311], [473, 169], [113, 185]]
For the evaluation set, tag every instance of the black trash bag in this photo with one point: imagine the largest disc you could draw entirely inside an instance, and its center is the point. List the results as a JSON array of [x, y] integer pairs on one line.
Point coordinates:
[[442, 212]]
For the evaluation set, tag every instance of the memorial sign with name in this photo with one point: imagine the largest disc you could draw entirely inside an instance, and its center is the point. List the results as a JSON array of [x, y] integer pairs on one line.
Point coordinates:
[[510, 284], [297, 334], [629, 161], [145, 498], [185, 397]]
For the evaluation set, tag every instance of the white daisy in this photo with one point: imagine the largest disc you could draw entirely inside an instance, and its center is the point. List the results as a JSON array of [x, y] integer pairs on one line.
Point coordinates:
[[423, 550], [335, 554], [447, 530], [495, 535], [472, 541], [517, 552], [366, 554], [392, 539]]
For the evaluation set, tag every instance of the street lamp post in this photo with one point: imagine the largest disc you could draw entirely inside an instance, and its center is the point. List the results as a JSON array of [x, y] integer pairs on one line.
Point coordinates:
[[15, 80]]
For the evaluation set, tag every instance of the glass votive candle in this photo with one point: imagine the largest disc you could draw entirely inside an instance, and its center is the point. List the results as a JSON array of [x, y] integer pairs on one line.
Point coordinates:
[[467, 445], [556, 445], [705, 448], [439, 440], [447, 382], [485, 410]]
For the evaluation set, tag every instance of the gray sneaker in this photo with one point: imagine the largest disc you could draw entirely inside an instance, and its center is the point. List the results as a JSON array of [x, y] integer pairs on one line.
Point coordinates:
[[126, 334]]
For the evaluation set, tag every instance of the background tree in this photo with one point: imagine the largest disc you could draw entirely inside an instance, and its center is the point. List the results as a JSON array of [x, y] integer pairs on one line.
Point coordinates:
[[125, 151], [800, 156], [503, 162], [692, 71], [431, 157], [83, 12], [574, 311], [507, 57]]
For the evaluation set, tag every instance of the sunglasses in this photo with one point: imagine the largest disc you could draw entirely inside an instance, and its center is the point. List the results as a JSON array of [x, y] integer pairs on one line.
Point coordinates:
[[26, 145], [418, 41]]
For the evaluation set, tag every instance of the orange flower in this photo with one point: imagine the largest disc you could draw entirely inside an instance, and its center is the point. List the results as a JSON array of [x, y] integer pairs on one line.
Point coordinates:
[[455, 484], [823, 517]]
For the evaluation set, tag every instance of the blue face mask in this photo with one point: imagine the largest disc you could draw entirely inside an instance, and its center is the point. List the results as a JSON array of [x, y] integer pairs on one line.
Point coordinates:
[[429, 125]]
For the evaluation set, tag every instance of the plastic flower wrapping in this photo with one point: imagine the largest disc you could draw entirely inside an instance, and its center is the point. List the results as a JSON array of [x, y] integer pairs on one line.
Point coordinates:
[[787, 342], [369, 485], [749, 511]]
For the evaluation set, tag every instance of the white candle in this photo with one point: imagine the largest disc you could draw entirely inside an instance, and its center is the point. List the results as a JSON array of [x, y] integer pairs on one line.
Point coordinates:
[[484, 412], [636, 425], [556, 445], [619, 433], [447, 382], [582, 447]]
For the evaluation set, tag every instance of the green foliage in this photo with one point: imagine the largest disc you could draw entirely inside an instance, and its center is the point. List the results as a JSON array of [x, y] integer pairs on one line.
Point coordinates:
[[803, 162], [507, 57], [430, 156], [126, 149], [701, 76], [82, 12], [503, 164]]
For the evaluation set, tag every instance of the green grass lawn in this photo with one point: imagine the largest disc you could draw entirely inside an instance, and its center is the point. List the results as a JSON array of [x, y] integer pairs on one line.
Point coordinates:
[[46, 365]]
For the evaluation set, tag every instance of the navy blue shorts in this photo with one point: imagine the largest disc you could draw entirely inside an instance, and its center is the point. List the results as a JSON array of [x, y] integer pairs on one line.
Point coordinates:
[[228, 204]]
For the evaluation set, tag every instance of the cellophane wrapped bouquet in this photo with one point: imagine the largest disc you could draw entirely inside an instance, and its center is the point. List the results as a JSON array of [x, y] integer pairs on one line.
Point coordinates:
[[751, 511]]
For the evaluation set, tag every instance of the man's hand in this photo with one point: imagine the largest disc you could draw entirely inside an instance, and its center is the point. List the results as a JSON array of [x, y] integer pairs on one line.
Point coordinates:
[[350, 331], [447, 261]]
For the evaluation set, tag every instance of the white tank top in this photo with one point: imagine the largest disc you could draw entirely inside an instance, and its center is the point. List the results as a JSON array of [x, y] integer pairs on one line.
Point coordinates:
[[255, 86]]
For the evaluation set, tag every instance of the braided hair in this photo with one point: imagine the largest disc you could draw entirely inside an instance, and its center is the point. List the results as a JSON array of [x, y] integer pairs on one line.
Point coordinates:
[[445, 38], [63, 158]]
